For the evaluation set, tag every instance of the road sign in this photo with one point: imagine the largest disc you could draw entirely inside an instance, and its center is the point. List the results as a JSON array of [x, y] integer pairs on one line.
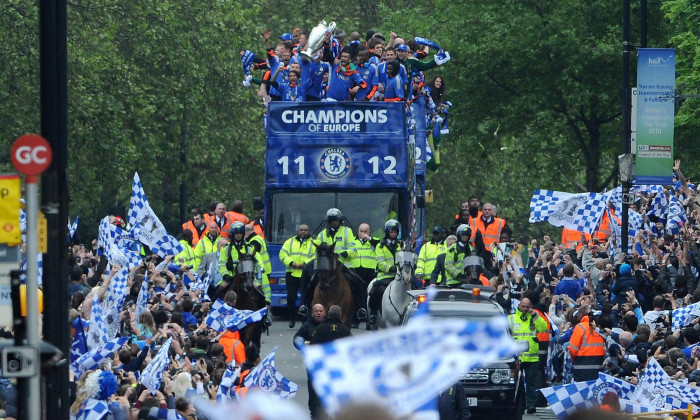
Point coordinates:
[[20, 362], [31, 154], [9, 209]]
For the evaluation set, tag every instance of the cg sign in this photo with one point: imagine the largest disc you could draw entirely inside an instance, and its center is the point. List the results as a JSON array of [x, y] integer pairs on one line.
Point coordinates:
[[31, 154]]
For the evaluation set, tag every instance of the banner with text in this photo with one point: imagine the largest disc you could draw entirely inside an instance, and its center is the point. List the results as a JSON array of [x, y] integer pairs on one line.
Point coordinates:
[[656, 83]]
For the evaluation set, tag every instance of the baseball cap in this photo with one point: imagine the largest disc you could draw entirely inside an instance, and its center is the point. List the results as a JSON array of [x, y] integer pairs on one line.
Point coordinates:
[[402, 47], [286, 37]]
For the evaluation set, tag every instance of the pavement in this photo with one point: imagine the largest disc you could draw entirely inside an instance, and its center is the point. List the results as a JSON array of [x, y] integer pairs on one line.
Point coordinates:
[[288, 361]]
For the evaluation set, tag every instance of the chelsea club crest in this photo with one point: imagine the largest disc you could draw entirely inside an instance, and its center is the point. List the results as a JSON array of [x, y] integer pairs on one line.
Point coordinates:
[[335, 163]]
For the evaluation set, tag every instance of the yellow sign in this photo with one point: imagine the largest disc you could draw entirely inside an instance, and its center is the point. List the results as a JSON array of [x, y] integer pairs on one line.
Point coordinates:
[[429, 196], [43, 233], [9, 209]]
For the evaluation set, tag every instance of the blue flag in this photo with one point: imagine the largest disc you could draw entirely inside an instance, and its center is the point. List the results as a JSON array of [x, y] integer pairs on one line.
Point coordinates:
[[247, 61], [392, 368], [152, 374], [265, 377], [148, 227]]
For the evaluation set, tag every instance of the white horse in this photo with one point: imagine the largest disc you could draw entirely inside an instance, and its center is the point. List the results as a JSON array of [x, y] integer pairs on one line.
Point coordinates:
[[396, 298]]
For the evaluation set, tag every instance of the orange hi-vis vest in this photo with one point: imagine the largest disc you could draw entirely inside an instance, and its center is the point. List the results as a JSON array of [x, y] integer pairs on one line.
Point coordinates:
[[587, 347], [195, 235], [490, 233], [234, 216], [544, 337], [570, 237], [604, 231]]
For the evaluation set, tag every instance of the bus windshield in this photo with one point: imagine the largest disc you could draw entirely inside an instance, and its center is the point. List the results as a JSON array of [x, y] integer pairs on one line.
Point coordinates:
[[290, 209]]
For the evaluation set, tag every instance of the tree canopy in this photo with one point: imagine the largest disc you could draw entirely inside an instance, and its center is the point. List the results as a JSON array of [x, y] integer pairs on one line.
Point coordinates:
[[155, 87]]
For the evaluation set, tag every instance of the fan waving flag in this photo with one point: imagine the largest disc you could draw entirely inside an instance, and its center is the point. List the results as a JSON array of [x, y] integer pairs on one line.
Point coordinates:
[[227, 391], [392, 368], [241, 319], [216, 320], [148, 226], [94, 358], [152, 374], [581, 212], [265, 377]]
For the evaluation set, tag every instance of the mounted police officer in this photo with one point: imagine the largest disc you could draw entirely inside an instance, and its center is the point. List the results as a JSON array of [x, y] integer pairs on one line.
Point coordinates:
[[344, 240], [386, 265], [341, 236]]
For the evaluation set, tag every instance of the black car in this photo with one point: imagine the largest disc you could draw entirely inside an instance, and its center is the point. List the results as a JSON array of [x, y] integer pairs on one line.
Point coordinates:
[[497, 389]]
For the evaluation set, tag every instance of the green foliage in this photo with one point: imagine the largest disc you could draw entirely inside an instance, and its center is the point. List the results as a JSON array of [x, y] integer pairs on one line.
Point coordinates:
[[155, 87]]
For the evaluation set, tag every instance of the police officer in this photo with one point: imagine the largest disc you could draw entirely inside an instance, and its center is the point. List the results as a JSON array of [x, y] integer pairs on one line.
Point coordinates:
[[456, 253], [386, 265], [341, 236], [228, 259], [429, 253], [295, 253], [525, 323]]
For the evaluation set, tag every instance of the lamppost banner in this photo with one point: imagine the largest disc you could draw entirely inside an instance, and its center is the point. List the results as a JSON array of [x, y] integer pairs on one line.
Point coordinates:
[[656, 83]]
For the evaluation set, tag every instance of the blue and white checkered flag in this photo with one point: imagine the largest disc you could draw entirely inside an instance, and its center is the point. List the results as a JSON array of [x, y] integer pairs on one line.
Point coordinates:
[[677, 216], [142, 299], [79, 345], [152, 374], [94, 358], [118, 286], [265, 377], [659, 206], [217, 315], [392, 368], [581, 212], [683, 316], [227, 391], [93, 409], [97, 332], [72, 228], [567, 399], [149, 227], [607, 383], [112, 318], [241, 319], [633, 407]]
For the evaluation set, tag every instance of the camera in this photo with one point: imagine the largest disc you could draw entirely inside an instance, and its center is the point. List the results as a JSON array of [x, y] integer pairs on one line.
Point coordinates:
[[679, 363], [201, 332]]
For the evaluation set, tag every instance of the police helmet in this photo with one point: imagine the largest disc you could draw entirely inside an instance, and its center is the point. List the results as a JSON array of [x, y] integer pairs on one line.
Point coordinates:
[[438, 229], [333, 214], [237, 227], [392, 224], [464, 230]]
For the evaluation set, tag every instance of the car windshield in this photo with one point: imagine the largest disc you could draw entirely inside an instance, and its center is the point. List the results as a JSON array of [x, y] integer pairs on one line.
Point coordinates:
[[290, 209]]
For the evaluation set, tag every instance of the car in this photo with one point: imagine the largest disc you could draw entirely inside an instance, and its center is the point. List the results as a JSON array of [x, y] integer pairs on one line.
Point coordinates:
[[493, 391]]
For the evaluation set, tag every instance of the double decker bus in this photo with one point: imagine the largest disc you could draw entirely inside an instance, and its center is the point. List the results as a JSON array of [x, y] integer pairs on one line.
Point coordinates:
[[359, 157]]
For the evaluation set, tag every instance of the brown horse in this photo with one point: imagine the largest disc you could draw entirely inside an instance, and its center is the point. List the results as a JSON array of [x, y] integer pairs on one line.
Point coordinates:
[[332, 285], [249, 298]]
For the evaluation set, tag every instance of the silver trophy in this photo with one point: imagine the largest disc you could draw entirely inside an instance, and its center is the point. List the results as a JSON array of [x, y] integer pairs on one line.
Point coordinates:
[[316, 39]]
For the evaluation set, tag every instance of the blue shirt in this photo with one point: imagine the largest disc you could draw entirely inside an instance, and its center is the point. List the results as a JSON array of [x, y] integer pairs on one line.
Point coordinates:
[[339, 83], [393, 88], [568, 286], [368, 72]]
